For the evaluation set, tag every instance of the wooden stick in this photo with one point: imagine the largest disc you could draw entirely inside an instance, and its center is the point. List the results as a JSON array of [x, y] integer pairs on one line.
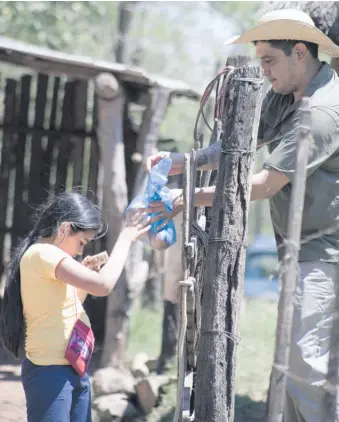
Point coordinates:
[[289, 271], [330, 413]]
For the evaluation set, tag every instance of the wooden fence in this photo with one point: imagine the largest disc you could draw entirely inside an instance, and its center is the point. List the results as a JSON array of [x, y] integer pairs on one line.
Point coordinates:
[[47, 144]]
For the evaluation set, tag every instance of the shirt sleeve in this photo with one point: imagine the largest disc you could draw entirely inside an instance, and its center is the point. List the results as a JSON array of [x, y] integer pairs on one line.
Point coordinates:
[[50, 256], [325, 143]]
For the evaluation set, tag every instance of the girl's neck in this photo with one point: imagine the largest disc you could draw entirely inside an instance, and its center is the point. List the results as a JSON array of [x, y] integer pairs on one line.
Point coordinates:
[[47, 240]]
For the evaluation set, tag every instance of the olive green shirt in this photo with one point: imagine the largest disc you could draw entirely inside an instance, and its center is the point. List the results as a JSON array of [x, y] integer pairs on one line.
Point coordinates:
[[279, 128]]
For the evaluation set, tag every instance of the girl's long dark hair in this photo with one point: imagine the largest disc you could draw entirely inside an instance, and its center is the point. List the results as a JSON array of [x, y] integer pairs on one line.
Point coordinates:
[[65, 207]]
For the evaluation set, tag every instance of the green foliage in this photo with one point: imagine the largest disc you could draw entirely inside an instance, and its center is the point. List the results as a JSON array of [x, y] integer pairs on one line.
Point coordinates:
[[243, 13], [75, 26], [179, 40]]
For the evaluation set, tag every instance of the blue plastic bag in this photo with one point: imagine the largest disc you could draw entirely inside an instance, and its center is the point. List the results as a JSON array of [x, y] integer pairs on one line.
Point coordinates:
[[156, 190]]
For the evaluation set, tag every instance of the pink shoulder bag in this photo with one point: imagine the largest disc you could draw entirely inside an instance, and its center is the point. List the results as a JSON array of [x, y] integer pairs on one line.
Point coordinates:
[[80, 346]]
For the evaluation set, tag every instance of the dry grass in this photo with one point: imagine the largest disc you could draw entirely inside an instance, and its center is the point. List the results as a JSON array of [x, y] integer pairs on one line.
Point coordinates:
[[255, 353]]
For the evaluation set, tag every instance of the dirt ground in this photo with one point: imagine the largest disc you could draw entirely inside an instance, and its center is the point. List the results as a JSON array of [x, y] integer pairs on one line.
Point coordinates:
[[12, 397]]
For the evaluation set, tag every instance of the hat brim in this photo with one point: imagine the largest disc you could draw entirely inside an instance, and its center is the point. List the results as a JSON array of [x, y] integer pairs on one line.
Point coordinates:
[[286, 29]]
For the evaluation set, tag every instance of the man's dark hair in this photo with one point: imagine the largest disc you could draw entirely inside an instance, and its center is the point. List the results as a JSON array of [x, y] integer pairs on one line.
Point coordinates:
[[287, 46]]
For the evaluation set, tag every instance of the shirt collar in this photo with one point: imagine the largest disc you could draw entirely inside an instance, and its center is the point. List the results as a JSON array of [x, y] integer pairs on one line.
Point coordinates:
[[324, 75]]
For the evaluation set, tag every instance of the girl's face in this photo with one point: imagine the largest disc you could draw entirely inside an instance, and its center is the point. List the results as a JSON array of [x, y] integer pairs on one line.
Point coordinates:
[[71, 242]]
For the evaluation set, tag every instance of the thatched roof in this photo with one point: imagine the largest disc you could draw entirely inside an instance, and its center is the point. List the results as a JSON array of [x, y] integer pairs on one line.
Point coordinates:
[[50, 61]]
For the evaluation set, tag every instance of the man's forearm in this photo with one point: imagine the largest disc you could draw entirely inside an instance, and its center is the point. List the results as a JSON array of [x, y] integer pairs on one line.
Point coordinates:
[[263, 185], [203, 197], [208, 158]]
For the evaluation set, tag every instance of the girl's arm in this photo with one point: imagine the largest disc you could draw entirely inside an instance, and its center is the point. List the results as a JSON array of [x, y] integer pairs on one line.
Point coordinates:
[[101, 283]]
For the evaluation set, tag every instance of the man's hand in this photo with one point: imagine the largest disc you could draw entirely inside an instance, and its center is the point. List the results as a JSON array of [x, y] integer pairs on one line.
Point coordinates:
[[159, 207], [177, 161]]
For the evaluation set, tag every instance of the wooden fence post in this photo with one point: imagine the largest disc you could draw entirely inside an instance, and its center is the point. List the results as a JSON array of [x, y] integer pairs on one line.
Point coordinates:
[[158, 99], [223, 282], [6, 163], [331, 398], [136, 270], [110, 106], [289, 271]]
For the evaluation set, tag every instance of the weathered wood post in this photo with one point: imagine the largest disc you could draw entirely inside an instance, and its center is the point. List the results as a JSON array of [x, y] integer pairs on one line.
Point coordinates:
[[331, 397], [110, 100], [156, 107], [289, 271], [223, 283], [135, 274]]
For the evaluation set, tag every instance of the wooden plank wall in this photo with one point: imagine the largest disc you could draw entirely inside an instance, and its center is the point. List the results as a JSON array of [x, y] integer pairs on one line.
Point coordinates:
[[47, 145]]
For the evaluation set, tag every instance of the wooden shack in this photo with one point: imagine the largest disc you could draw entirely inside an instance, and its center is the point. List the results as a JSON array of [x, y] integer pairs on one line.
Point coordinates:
[[65, 122]]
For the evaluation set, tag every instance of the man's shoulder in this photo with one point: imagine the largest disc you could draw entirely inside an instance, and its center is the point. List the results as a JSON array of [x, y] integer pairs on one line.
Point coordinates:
[[324, 121], [327, 95]]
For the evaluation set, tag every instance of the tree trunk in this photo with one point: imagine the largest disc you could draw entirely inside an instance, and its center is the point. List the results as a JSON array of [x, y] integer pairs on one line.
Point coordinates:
[[125, 10], [223, 282], [146, 145], [110, 117], [132, 280]]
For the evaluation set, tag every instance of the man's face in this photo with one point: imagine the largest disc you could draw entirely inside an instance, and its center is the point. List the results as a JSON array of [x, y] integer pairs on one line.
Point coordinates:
[[281, 70]]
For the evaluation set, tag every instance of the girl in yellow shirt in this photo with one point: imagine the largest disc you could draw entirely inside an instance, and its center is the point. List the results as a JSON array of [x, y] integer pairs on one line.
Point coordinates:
[[44, 292]]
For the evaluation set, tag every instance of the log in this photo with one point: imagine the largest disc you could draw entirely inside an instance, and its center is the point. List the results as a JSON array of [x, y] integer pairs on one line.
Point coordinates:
[[223, 281], [289, 271], [110, 104]]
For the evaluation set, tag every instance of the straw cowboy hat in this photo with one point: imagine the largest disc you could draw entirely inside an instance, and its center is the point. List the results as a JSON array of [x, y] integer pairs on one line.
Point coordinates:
[[287, 24]]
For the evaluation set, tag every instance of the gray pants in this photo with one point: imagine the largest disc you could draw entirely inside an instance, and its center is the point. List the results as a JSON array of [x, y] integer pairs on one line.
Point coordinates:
[[312, 323]]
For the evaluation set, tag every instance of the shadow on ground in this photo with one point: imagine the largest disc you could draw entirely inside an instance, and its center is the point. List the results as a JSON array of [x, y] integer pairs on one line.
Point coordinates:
[[246, 410], [10, 368]]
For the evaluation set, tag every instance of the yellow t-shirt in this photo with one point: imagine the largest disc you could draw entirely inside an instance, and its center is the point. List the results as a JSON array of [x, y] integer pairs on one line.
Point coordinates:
[[51, 307]]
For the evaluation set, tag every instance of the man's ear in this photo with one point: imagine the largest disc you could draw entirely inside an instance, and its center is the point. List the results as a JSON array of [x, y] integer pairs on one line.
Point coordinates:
[[300, 50]]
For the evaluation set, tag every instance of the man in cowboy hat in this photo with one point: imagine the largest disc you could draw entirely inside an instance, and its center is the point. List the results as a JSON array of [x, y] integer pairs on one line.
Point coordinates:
[[287, 44]]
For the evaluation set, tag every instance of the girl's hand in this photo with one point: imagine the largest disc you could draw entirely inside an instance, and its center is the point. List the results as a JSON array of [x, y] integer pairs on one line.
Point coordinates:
[[137, 226], [90, 263], [95, 262]]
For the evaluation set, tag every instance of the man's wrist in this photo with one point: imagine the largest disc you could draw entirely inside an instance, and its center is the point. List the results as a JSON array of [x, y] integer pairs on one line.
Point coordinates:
[[178, 162]]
